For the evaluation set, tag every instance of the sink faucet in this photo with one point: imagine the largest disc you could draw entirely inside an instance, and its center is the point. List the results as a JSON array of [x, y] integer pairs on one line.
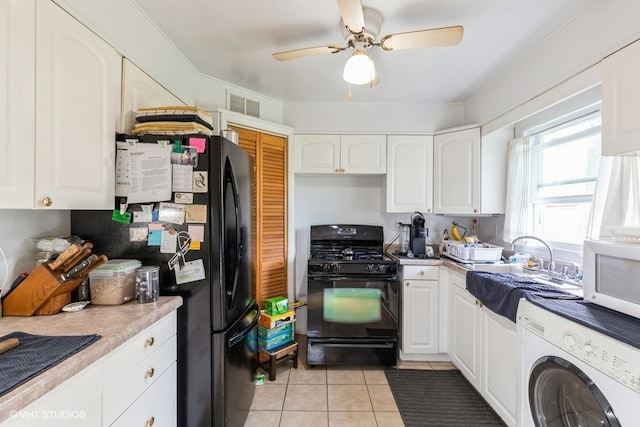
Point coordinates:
[[551, 264]]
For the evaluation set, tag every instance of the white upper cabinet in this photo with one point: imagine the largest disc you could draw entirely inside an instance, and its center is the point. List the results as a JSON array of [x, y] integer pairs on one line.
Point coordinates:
[[410, 173], [61, 115], [349, 154], [363, 154], [139, 90], [469, 172], [17, 44], [621, 102], [456, 172]]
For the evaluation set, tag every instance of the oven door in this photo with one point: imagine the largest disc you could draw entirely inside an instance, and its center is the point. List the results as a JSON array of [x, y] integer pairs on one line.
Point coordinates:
[[352, 320]]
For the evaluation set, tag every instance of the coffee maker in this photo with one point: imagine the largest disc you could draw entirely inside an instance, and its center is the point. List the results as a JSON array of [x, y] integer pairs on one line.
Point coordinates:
[[418, 235]]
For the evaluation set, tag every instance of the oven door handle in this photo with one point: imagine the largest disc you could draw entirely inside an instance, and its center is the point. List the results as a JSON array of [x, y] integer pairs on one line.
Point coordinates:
[[388, 344], [393, 278]]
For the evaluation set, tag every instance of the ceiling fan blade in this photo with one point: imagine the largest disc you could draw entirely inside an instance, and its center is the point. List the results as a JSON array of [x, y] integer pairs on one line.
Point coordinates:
[[352, 15], [446, 36], [310, 51]]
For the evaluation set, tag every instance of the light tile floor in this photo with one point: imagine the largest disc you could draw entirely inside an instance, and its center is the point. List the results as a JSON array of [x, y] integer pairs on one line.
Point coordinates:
[[328, 396]]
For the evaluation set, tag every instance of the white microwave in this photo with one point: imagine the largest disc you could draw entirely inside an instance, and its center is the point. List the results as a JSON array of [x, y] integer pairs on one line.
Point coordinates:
[[611, 275]]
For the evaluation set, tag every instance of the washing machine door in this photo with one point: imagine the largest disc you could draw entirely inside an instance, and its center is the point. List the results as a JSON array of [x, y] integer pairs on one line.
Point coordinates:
[[562, 395]]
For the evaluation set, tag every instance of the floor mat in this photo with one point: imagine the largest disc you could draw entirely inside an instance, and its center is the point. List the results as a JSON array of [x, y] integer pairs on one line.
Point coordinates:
[[439, 398]]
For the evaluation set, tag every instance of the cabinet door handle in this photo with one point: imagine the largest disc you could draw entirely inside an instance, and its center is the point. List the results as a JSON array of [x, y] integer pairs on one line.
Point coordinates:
[[406, 283], [47, 201], [149, 422], [149, 342], [149, 373]]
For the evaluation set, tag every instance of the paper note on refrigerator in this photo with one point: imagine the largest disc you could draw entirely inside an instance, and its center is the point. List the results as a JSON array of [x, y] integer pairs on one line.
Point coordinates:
[[143, 172]]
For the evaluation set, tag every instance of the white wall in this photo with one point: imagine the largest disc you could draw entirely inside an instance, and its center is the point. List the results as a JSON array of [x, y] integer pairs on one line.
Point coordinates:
[[369, 118], [355, 199], [573, 53], [17, 227]]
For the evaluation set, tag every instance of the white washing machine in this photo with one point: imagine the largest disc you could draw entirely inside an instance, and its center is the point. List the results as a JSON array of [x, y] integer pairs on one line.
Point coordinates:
[[571, 375]]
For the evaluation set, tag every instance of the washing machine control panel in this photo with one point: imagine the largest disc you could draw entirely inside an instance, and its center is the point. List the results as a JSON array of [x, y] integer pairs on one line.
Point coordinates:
[[615, 359]]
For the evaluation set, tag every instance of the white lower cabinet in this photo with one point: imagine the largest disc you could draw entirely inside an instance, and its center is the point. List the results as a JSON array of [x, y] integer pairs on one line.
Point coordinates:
[[133, 385], [499, 367], [483, 348], [465, 332], [156, 406], [74, 403], [134, 368], [419, 323]]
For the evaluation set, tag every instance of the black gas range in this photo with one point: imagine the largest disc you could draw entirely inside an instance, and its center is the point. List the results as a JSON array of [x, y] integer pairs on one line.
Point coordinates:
[[352, 298], [349, 249]]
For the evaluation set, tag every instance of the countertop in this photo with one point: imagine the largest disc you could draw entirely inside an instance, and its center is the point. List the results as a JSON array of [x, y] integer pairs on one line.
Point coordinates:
[[116, 324], [403, 260]]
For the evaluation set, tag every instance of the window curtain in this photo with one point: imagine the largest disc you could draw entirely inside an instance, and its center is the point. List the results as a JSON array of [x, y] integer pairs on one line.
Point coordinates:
[[518, 219], [616, 200]]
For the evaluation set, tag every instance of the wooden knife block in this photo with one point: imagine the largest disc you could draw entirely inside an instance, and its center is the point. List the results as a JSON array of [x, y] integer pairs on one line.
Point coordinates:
[[41, 293]]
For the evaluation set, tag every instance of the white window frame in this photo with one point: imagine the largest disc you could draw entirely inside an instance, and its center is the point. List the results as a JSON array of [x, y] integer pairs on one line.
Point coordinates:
[[583, 113]]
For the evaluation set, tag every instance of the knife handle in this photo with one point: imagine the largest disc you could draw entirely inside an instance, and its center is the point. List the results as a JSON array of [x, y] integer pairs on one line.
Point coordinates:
[[64, 256], [76, 259]]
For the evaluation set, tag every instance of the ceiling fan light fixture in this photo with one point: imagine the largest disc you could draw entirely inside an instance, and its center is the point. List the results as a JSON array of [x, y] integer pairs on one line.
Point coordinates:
[[359, 69]]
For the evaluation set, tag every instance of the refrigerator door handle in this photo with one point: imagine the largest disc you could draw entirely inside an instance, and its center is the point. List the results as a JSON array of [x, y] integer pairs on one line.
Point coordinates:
[[238, 337]]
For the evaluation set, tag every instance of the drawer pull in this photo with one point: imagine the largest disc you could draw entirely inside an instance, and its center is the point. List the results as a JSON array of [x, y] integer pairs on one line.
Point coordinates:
[[149, 342], [422, 272], [149, 373], [149, 422]]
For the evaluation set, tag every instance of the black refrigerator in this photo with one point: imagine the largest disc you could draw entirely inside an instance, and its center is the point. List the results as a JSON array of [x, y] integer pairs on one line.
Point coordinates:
[[216, 336]]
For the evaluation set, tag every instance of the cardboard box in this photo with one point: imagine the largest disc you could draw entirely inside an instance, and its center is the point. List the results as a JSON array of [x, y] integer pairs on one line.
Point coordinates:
[[268, 321], [275, 341], [270, 333], [276, 305]]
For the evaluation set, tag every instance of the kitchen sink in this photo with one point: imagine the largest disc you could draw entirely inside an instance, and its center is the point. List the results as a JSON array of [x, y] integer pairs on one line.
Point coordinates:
[[547, 279]]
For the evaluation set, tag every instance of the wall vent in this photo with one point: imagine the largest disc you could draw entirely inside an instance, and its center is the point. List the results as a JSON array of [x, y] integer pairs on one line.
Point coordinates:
[[242, 105]]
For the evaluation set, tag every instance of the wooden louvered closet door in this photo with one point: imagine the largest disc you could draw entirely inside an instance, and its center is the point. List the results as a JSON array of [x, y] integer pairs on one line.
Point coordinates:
[[270, 211]]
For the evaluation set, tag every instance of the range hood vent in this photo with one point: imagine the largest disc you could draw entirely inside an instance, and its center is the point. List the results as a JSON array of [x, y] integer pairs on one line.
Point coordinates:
[[242, 105]]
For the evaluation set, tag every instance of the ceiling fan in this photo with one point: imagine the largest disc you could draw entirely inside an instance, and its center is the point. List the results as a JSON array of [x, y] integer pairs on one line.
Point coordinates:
[[360, 27]]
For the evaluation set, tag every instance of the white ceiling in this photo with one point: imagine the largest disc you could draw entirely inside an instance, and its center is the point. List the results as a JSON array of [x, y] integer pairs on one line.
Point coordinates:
[[232, 40]]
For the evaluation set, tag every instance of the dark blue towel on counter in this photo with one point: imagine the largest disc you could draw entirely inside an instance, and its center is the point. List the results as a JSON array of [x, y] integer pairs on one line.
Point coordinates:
[[500, 292], [609, 322], [36, 354]]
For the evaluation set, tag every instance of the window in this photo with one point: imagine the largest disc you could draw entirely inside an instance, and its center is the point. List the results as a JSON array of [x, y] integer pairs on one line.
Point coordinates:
[[565, 160]]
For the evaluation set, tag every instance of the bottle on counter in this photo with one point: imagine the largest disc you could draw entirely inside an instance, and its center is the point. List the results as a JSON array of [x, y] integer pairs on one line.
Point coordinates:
[[443, 244]]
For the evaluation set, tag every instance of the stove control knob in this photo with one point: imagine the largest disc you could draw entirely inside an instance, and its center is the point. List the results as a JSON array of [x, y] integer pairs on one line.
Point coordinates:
[[326, 267], [335, 267], [381, 267], [369, 267]]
